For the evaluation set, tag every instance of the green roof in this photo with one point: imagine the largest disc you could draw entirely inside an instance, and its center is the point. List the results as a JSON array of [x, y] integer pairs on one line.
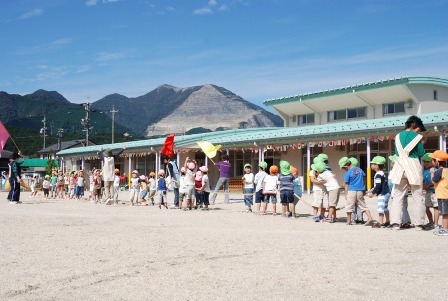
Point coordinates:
[[359, 87], [36, 163], [268, 136]]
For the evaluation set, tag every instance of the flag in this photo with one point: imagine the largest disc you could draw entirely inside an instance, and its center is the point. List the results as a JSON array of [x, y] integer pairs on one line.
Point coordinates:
[[4, 135], [168, 146], [208, 148]]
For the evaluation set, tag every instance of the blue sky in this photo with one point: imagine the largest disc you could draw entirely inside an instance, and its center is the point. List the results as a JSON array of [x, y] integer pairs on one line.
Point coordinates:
[[258, 49]]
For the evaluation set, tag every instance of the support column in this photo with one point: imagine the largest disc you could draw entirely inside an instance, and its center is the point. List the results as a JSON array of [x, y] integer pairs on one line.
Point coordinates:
[[442, 141], [82, 164], [157, 162], [308, 167], [369, 171], [129, 170]]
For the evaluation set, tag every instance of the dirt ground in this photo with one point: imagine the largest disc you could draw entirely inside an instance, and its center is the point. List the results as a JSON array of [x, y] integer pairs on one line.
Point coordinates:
[[76, 250]]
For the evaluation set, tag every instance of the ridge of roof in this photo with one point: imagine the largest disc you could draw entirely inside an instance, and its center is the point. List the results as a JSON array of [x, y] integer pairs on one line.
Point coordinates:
[[359, 87]]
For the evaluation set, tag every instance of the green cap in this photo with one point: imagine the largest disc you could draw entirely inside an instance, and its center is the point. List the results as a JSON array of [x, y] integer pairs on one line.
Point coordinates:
[[318, 159], [354, 161], [323, 156], [263, 165], [319, 166], [378, 160], [247, 165], [344, 161], [285, 167], [393, 158], [426, 157]]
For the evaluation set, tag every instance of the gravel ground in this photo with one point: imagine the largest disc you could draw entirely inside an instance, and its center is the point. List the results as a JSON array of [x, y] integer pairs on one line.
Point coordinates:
[[74, 250]]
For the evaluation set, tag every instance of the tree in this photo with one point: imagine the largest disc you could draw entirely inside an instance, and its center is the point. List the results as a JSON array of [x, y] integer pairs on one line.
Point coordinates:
[[51, 164]]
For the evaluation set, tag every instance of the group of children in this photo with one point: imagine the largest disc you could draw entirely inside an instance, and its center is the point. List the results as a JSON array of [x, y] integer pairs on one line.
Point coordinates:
[[326, 189]]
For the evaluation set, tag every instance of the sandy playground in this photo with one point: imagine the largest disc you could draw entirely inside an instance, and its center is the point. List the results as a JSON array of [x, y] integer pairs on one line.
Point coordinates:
[[75, 250]]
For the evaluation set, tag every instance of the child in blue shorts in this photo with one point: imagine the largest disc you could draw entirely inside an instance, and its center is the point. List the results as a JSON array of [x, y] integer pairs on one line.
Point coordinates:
[[381, 189]]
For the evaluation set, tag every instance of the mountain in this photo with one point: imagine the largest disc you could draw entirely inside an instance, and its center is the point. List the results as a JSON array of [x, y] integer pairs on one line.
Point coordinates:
[[166, 109], [169, 109], [23, 115]]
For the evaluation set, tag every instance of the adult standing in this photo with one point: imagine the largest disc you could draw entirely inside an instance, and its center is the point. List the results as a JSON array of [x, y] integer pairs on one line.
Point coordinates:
[[224, 167], [108, 173], [173, 173], [15, 174], [408, 173]]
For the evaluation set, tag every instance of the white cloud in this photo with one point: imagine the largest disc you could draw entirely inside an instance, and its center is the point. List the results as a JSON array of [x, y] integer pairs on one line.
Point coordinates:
[[32, 13], [45, 47], [112, 56], [91, 2], [212, 2], [170, 8], [203, 11]]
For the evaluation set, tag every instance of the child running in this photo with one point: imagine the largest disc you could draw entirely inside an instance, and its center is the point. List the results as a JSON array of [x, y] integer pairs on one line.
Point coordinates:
[[182, 187], [116, 185], [80, 182], [248, 184], [143, 190]]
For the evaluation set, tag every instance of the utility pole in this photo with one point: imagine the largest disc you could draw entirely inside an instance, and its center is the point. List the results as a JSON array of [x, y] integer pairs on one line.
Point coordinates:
[[113, 111], [44, 129], [86, 121]]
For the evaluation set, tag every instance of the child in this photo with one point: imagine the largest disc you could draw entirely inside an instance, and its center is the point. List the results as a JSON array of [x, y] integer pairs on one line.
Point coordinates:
[[33, 183], [152, 187], [80, 185], [270, 189], [66, 184], [197, 189], [258, 181], [97, 186], [116, 185], [46, 186], [71, 185], [440, 180], [54, 184], [92, 185], [354, 190], [182, 187], [320, 195], [205, 188], [248, 190], [297, 190], [143, 190], [326, 177], [134, 188], [286, 187], [381, 189], [190, 170], [428, 186], [161, 189]]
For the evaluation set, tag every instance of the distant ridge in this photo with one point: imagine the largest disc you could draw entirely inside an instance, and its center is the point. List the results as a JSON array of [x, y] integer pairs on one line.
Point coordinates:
[[169, 109]]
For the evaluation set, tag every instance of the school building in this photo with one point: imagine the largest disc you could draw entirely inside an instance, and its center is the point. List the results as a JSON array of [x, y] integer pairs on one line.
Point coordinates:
[[358, 121]]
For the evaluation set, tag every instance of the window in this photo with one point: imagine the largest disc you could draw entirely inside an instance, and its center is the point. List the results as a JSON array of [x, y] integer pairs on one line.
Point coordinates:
[[434, 94], [347, 114], [305, 119], [393, 108]]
